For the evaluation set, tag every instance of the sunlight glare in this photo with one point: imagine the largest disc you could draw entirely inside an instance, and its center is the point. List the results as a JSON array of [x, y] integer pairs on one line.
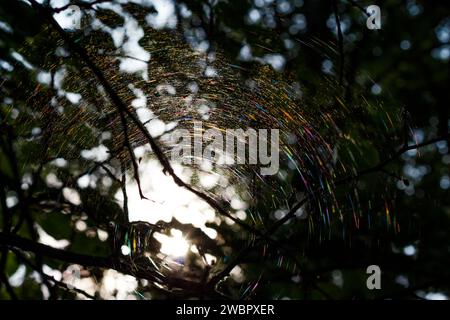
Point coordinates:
[[175, 245]]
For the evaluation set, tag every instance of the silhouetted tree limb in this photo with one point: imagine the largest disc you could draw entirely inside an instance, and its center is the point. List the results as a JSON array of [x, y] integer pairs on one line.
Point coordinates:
[[238, 258], [340, 41], [296, 207], [46, 14], [81, 4], [122, 108], [9, 288]]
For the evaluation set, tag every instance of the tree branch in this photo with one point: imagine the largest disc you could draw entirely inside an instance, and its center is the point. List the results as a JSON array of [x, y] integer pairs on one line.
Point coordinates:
[[8, 287], [58, 254], [384, 163], [340, 41], [267, 235], [46, 277], [122, 266]]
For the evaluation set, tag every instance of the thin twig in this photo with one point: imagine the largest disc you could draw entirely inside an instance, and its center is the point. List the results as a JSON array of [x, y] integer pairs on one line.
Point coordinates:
[[340, 42], [358, 6], [267, 235], [22, 199]]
